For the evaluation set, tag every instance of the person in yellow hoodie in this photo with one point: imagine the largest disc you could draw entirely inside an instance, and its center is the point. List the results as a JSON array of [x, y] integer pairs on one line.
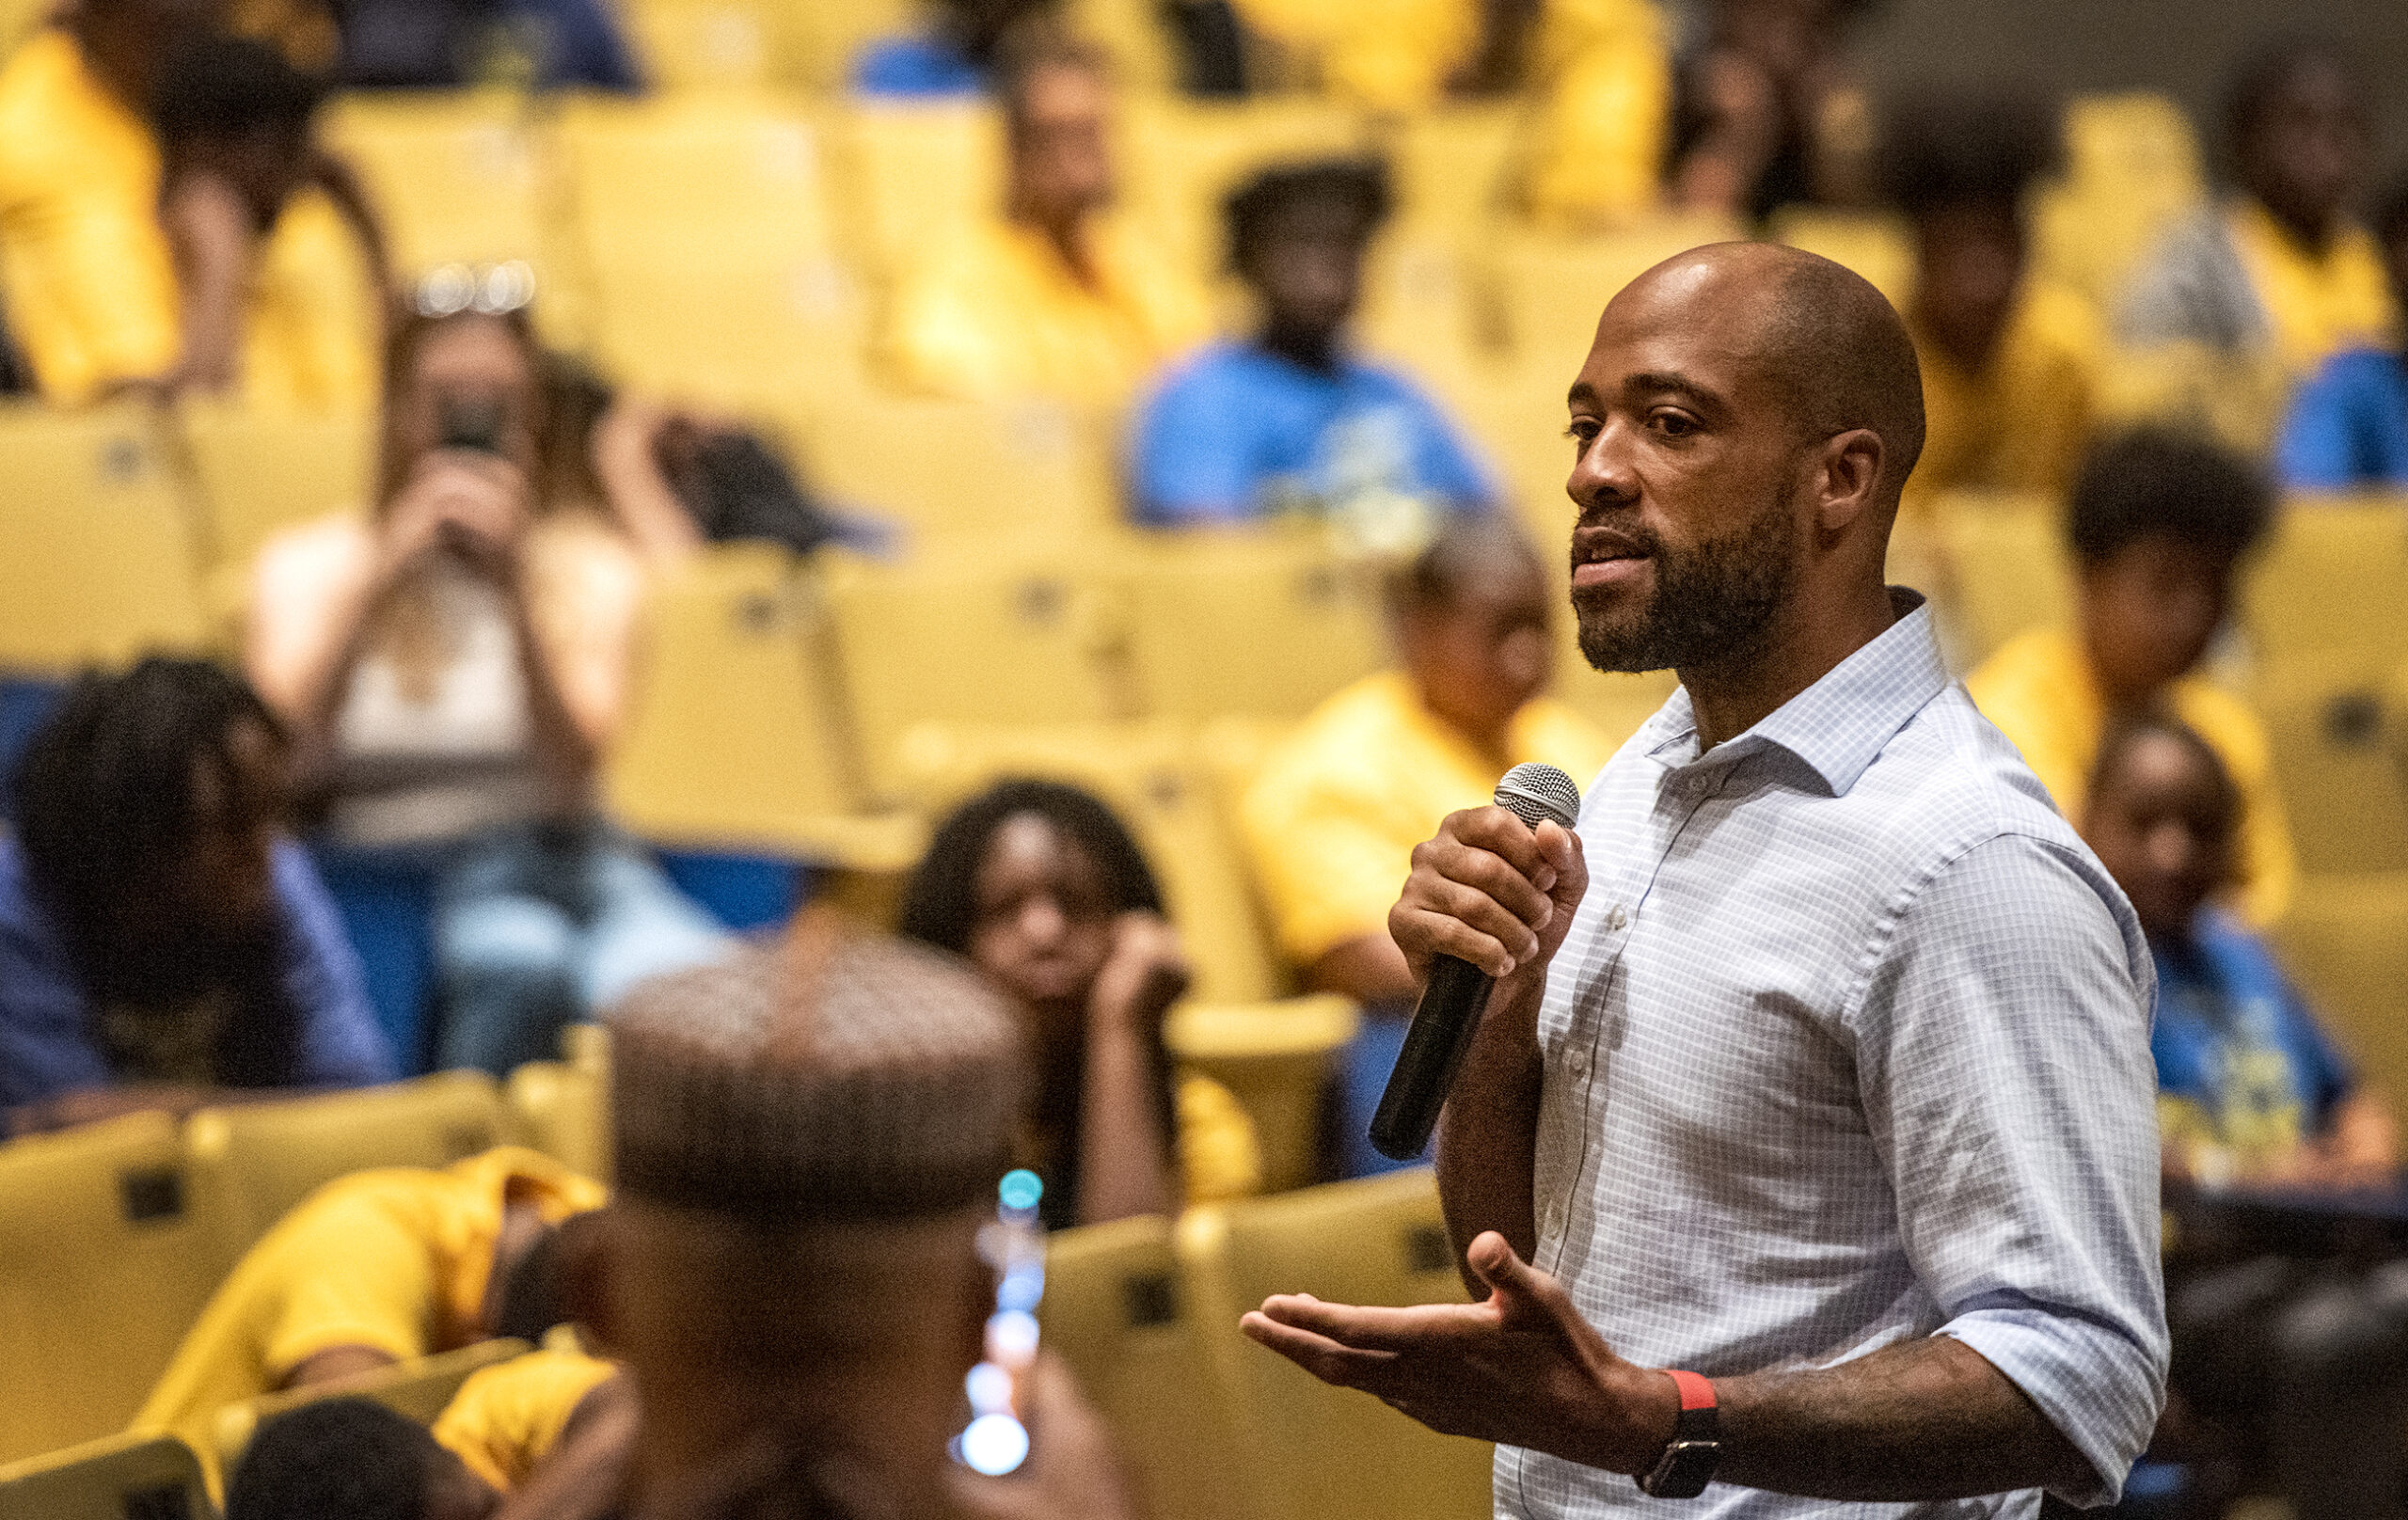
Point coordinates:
[[1331, 818], [164, 220], [1051, 299], [375, 1267], [2159, 523]]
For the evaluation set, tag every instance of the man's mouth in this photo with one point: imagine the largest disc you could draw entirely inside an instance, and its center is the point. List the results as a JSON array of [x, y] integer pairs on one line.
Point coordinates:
[[1608, 560]]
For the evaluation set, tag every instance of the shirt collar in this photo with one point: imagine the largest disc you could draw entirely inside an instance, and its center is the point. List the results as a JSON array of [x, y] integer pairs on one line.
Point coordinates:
[[1838, 725]]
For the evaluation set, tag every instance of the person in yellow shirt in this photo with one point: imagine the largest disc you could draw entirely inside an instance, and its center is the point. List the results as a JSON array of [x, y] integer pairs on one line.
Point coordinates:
[[552, 1429], [1051, 300], [2281, 276], [2159, 522], [375, 1268], [213, 250], [2009, 365], [1042, 887], [1331, 818], [1603, 101]]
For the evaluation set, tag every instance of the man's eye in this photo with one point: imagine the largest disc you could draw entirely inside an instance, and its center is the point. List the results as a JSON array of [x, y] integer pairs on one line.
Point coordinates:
[[1672, 424], [1583, 431]]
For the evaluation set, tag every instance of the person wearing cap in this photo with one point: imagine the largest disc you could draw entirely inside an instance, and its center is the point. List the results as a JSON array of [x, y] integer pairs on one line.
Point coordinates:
[[808, 1138]]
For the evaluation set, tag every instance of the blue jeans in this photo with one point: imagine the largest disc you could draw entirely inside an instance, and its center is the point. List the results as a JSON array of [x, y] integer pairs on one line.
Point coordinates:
[[539, 926]]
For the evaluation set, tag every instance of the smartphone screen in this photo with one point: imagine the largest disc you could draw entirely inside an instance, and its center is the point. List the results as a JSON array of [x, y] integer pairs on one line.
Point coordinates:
[[995, 1441]]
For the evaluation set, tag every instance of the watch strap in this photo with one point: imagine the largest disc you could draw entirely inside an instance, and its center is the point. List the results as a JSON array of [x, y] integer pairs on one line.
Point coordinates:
[[1695, 1450]]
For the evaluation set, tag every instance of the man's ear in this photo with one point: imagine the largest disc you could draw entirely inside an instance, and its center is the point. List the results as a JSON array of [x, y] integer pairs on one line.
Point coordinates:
[[586, 1262], [1847, 478]]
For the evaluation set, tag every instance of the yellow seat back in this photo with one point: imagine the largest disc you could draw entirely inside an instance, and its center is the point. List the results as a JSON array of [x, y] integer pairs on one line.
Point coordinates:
[[258, 1159], [1324, 1454], [2331, 590], [1879, 246], [417, 1388], [2345, 940], [258, 472], [108, 1253], [2002, 567], [950, 471], [2131, 170], [2339, 742], [1550, 291], [121, 1476], [1277, 1058], [1148, 775], [1266, 624], [736, 737], [562, 1109], [1181, 158], [912, 175], [1116, 1311], [101, 562]]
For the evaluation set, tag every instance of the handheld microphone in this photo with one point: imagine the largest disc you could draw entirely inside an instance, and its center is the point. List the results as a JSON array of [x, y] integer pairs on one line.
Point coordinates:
[[1457, 992]]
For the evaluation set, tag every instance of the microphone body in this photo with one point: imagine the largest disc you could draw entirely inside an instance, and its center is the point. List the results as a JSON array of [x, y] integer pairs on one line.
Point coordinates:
[[1457, 993]]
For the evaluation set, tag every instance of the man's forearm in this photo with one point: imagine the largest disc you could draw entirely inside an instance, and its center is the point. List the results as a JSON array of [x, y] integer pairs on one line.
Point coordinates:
[[1488, 1133], [1930, 1418]]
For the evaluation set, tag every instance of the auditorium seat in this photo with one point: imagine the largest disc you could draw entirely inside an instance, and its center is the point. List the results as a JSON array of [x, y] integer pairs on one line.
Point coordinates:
[[108, 1249], [1277, 1059], [562, 1110], [2006, 568], [910, 175], [1117, 1314], [734, 737], [253, 1161], [261, 472], [102, 560], [1879, 246], [688, 46], [1550, 290], [1149, 775], [705, 228], [419, 1388], [1255, 623], [1450, 168], [2345, 943], [995, 473], [2339, 741], [2132, 171], [2330, 591], [122, 1477], [1319, 1452]]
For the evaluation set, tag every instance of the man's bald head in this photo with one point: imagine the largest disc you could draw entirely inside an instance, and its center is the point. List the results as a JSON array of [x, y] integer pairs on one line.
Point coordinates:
[[1824, 341]]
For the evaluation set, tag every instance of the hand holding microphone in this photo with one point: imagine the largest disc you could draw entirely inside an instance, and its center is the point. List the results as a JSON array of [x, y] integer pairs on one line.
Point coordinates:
[[1487, 904]]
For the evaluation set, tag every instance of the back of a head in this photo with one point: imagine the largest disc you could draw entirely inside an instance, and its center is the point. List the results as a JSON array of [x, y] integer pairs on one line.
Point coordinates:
[[216, 86], [1467, 549], [2153, 481], [351, 1458], [1947, 148], [1354, 189]]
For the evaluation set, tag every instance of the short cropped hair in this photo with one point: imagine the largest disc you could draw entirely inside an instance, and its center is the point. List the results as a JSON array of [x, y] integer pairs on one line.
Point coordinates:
[[348, 1457], [1357, 186], [2155, 482], [231, 87], [1943, 150]]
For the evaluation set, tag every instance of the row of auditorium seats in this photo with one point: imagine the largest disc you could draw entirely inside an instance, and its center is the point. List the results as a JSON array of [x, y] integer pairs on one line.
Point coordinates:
[[113, 1236]]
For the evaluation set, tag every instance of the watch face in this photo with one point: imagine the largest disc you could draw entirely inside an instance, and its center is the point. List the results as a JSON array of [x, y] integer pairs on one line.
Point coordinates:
[[1685, 1469]]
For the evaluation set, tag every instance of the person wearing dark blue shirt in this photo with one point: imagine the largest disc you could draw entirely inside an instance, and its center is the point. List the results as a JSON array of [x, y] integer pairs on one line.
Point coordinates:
[[1290, 422], [160, 941], [2288, 1371], [2348, 426]]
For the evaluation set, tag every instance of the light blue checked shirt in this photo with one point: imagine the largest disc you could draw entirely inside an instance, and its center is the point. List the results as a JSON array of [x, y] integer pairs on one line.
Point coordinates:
[[1848, 1045]]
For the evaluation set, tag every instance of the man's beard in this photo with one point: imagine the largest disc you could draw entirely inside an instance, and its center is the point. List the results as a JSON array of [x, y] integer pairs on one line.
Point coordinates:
[[1712, 604]]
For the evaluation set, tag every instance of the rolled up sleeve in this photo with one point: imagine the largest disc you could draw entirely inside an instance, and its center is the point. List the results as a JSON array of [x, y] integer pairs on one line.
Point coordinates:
[[2002, 1048]]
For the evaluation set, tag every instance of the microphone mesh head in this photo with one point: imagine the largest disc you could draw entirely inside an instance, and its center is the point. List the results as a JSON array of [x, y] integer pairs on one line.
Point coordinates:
[[1535, 793]]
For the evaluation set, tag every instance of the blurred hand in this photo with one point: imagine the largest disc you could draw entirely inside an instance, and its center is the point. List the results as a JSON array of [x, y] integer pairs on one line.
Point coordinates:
[[473, 504], [210, 234], [1491, 891], [1072, 1472], [1145, 974]]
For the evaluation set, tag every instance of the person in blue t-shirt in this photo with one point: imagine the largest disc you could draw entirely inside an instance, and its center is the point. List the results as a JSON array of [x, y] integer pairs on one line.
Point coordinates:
[[2348, 427], [161, 941], [951, 55], [1292, 422], [2290, 1373]]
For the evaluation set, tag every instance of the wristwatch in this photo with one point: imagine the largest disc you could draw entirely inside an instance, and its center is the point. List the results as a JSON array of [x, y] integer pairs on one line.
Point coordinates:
[[1689, 1462]]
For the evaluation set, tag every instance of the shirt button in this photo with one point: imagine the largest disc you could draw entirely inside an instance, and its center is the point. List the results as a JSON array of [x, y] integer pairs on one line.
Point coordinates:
[[1616, 918], [1578, 1063]]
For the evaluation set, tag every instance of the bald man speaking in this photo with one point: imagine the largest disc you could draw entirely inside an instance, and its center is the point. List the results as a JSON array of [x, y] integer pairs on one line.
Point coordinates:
[[1806, 1156]]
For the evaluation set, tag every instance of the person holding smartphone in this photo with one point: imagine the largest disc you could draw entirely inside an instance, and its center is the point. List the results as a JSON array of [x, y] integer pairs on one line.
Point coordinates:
[[450, 666]]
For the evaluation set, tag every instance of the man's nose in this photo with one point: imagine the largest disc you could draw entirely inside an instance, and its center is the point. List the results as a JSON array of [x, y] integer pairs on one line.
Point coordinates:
[[1603, 474]]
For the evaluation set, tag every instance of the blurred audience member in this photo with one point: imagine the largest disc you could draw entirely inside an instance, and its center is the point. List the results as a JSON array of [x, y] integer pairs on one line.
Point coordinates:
[[951, 53], [422, 44], [552, 1431], [161, 941], [2349, 426], [357, 1459], [1049, 300], [2282, 273], [1390, 57], [218, 248], [2298, 1367], [1603, 78], [808, 1142], [375, 1267], [452, 666], [1041, 887], [1765, 113], [1331, 819], [2009, 365], [1292, 422], [2158, 524]]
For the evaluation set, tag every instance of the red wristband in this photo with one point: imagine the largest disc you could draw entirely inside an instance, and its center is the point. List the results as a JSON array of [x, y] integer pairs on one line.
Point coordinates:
[[1696, 1392]]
